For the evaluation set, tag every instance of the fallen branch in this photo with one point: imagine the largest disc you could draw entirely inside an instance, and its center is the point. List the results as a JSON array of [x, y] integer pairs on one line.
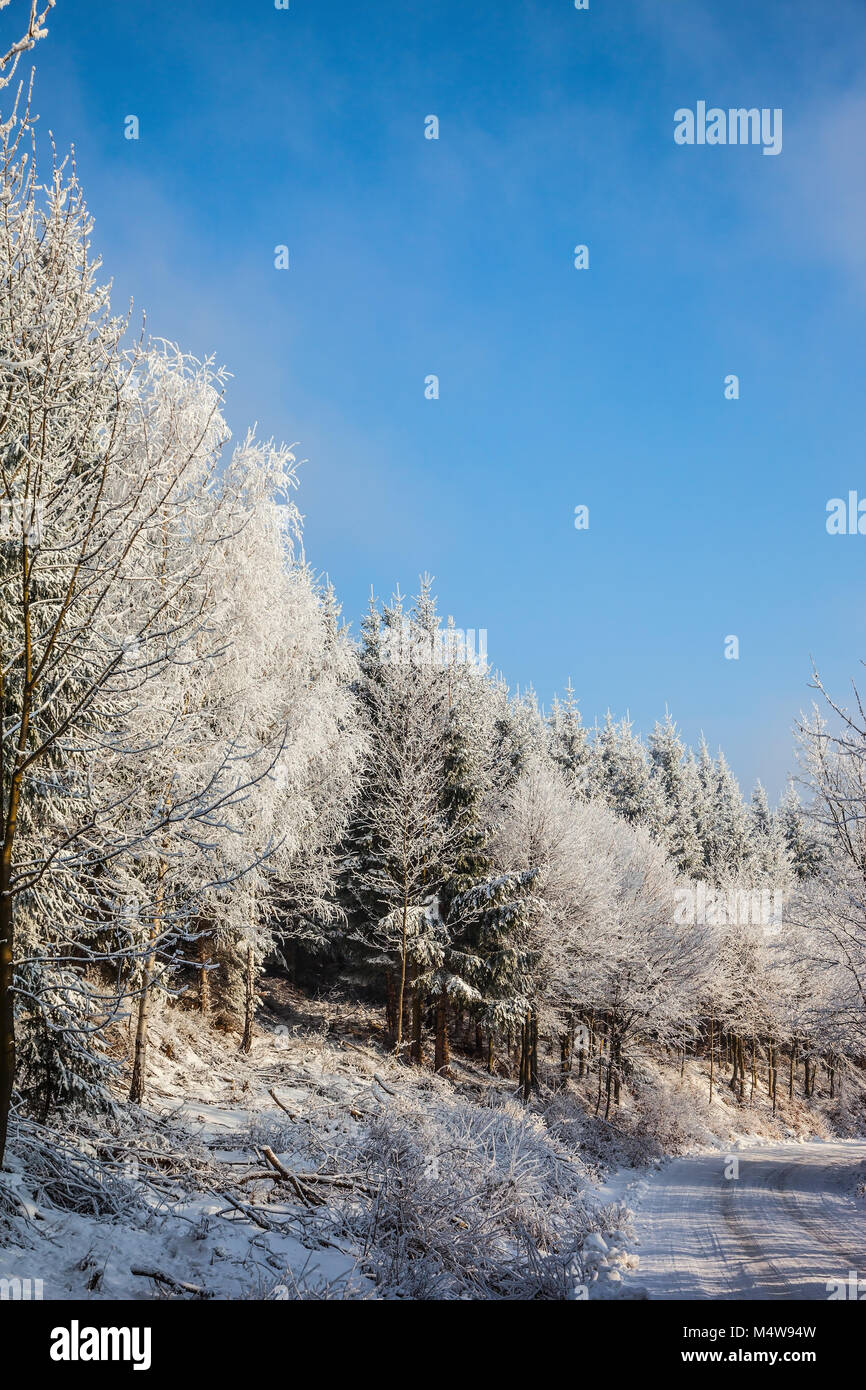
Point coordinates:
[[246, 1211], [300, 1181], [290, 1113], [384, 1084], [309, 1199], [178, 1285]]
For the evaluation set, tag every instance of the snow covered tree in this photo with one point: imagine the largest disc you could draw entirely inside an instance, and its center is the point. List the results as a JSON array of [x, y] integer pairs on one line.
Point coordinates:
[[641, 968], [621, 773], [569, 742], [724, 823], [804, 845], [35, 31], [91, 492], [675, 774], [769, 851], [832, 901], [402, 843]]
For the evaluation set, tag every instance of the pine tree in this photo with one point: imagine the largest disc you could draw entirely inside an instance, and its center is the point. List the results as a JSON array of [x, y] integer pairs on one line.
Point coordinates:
[[402, 844], [769, 852], [622, 774], [675, 776], [569, 743], [803, 844], [731, 828]]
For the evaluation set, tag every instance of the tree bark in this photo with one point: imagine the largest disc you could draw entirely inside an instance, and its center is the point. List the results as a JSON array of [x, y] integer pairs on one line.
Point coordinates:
[[600, 1072], [249, 1000], [442, 1056], [7, 916], [138, 1085], [390, 1005], [712, 1056], [417, 1024], [204, 974], [7, 1000], [533, 1051], [402, 991], [609, 1083]]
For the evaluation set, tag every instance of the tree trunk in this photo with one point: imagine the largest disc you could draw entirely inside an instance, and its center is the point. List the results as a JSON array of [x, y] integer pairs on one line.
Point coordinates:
[[732, 1055], [139, 1064], [533, 1052], [441, 1056], [7, 1004], [7, 923], [204, 975], [609, 1083], [249, 1001], [771, 1066], [390, 1005], [741, 1045], [712, 1056], [402, 992], [525, 1049], [417, 1024], [600, 1072]]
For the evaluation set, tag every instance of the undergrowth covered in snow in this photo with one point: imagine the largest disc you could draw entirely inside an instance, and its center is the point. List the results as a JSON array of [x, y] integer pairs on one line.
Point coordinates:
[[318, 1167]]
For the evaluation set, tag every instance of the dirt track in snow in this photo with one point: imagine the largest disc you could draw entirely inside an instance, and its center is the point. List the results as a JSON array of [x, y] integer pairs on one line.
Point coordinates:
[[788, 1224]]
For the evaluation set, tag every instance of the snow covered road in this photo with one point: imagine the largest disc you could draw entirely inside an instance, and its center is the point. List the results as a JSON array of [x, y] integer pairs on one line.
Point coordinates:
[[780, 1230]]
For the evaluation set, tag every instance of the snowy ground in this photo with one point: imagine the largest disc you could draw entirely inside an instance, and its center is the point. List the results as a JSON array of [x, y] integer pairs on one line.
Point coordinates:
[[416, 1186], [786, 1225], [411, 1185]]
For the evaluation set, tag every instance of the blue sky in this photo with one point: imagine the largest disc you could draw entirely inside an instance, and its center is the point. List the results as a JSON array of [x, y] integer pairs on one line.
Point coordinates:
[[558, 387]]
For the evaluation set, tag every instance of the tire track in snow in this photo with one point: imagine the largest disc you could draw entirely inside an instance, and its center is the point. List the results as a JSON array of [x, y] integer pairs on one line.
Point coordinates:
[[780, 1230]]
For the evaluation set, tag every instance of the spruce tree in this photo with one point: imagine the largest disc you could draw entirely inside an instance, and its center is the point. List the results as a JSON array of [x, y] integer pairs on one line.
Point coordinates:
[[569, 743]]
